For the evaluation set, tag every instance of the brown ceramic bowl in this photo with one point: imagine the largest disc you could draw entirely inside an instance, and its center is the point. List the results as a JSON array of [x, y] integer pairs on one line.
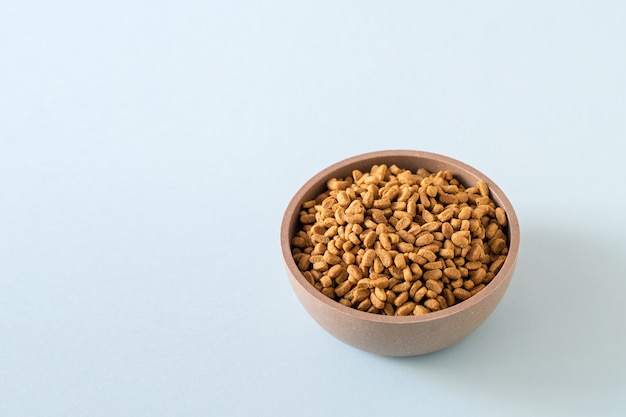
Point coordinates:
[[394, 335]]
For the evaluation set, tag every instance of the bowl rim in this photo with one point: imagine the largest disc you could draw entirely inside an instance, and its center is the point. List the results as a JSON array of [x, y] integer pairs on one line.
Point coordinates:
[[446, 163]]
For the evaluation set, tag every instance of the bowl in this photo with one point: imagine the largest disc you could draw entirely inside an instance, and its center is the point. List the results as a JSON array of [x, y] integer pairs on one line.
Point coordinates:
[[398, 335]]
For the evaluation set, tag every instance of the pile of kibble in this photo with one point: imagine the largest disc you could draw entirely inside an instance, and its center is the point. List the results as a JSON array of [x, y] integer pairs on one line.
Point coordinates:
[[398, 242]]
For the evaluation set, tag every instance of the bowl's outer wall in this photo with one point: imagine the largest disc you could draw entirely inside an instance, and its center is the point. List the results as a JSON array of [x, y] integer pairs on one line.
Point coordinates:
[[399, 339], [398, 336]]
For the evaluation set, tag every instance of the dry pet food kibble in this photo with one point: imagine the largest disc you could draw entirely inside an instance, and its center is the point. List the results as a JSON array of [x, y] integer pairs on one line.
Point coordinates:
[[396, 242]]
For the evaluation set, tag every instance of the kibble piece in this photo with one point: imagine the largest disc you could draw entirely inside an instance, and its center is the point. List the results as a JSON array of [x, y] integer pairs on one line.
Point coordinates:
[[405, 247], [434, 265], [477, 289], [497, 264], [460, 239], [420, 309], [425, 239], [445, 215], [403, 223], [369, 238], [298, 242], [343, 288], [442, 302], [416, 271], [380, 293], [434, 285], [377, 302], [331, 259], [401, 298], [320, 266], [478, 276], [345, 302], [446, 198], [433, 274], [447, 230], [360, 294], [399, 261], [355, 272], [475, 253], [469, 284], [380, 282], [461, 293], [335, 271], [480, 211], [501, 217], [473, 265], [395, 272], [384, 256], [465, 213], [431, 226], [427, 254], [415, 286], [368, 258], [406, 309], [364, 305], [449, 297], [407, 274], [432, 304], [452, 273], [309, 277], [491, 230], [482, 188], [304, 262], [497, 245], [384, 240], [419, 294], [328, 292]]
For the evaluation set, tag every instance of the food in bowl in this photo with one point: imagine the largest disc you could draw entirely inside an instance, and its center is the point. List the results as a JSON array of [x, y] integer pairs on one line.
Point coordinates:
[[395, 241]]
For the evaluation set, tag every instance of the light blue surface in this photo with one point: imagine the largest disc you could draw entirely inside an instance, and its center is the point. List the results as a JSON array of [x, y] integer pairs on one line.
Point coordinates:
[[148, 150]]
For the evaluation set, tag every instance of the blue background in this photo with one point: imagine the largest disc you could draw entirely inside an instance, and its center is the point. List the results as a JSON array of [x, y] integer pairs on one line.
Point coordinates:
[[148, 150]]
